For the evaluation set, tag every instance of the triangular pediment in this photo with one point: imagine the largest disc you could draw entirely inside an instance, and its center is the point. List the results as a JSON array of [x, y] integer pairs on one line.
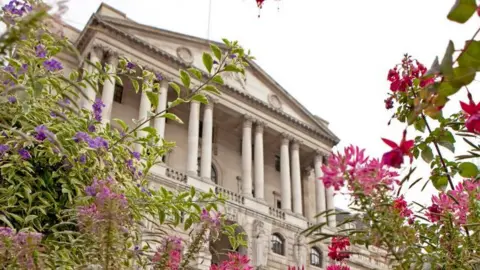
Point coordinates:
[[189, 49]]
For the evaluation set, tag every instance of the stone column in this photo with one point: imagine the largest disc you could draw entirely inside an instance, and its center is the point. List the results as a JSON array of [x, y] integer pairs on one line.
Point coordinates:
[[285, 174], [96, 56], [109, 88], [332, 221], [159, 122], [247, 157], [259, 162], [145, 107], [296, 179], [193, 133], [319, 188], [207, 136]]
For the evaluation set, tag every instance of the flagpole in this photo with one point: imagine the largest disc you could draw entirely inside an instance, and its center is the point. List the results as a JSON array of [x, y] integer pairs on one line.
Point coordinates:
[[209, 18]]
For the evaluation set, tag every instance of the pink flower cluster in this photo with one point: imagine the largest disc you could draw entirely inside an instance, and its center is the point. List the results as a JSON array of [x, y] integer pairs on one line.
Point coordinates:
[[401, 206], [401, 79], [19, 247], [360, 171], [169, 254], [107, 205], [337, 251], [455, 203], [235, 261]]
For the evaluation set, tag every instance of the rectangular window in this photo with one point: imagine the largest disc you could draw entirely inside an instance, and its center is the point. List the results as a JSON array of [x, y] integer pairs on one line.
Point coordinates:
[[277, 163], [279, 204], [118, 94]]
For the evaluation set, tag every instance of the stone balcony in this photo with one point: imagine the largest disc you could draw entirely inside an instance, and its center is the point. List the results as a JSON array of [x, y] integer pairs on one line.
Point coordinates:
[[168, 177]]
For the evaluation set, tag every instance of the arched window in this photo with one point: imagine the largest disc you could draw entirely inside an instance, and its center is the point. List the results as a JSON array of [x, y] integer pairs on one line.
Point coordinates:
[[214, 174], [316, 257], [277, 244]]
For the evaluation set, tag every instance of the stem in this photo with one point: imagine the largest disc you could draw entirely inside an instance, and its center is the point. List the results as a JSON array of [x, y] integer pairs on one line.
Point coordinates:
[[439, 153], [162, 112]]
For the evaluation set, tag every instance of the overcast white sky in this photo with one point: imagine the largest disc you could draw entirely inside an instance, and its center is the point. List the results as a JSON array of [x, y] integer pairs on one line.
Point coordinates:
[[333, 56]]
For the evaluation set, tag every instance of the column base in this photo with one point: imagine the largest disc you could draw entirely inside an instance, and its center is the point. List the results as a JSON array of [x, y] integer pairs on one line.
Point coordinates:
[[207, 179], [192, 174]]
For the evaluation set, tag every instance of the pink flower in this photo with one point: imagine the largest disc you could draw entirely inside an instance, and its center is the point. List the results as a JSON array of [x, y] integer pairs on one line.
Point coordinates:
[[337, 249], [212, 219], [358, 170], [235, 262], [337, 267], [400, 205], [394, 158], [169, 254], [472, 110]]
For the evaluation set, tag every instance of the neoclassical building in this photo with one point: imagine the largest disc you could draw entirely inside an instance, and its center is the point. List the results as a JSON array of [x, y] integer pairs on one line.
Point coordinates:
[[254, 143]]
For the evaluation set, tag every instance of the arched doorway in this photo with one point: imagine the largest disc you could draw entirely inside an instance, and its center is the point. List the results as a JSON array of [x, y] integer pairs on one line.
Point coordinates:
[[221, 246]]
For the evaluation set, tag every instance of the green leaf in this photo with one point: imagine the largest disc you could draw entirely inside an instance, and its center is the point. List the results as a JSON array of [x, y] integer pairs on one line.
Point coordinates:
[[207, 61], [151, 130], [471, 56], [450, 146], [121, 123], [188, 223], [29, 218], [462, 76], [427, 154], [440, 182], [462, 10], [211, 89], [135, 85], [468, 170], [6, 221], [447, 61], [218, 79], [175, 87], [197, 73], [435, 68], [200, 98], [153, 97], [173, 117], [232, 68], [185, 78], [447, 89], [420, 125], [216, 51]]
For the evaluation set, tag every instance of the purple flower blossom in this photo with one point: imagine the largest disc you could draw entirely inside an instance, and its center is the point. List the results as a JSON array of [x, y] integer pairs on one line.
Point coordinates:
[[130, 65], [97, 143], [40, 51], [10, 69], [232, 56], [211, 219], [159, 76], [97, 109], [52, 65], [136, 155], [64, 102], [42, 133], [91, 128], [12, 99], [16, 7], [24, 153], [82, 159], [24, 69], [81, 136], [215, 62], [3, 149], [53, 114]]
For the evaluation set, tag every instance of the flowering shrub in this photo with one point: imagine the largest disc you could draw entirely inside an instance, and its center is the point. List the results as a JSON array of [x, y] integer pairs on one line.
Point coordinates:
[[440, 235], [73, 192]]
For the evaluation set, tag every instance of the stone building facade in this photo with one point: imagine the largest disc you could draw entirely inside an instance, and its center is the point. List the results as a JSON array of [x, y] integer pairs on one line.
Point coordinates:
[[255, 143]]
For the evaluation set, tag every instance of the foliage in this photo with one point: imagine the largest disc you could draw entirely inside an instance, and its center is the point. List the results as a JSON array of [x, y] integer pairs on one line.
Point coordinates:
[[443, 234], [73, 192]]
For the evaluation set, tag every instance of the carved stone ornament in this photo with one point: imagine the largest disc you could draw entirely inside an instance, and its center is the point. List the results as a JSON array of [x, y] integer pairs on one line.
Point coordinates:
[[185, 55], [274, 101], [260, 249]]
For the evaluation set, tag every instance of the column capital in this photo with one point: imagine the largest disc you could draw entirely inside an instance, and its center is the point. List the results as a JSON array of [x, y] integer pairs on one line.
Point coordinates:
[[112, 57], [259, 126], [211, 101], [98, 50], [295, 145], [247, 121], [285, 139]]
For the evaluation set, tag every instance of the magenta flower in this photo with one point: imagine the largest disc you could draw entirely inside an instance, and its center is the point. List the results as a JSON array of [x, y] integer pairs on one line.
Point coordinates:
[[169, 253], [235, 261], [212, 219]]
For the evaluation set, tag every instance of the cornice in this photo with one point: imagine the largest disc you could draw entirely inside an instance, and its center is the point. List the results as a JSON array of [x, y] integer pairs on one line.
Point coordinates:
[[320, 133]]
